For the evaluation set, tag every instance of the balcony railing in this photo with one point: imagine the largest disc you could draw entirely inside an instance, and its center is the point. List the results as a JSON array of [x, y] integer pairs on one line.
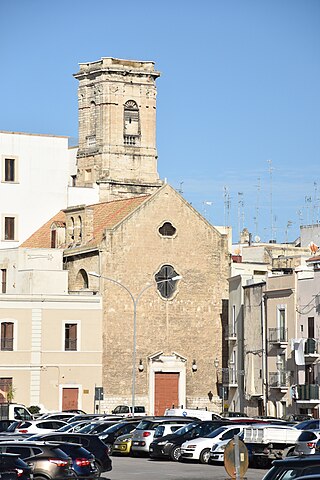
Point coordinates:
[[307, 392], [70, 344], [7, 344], [278, 335], [279, 379], [131, 139]]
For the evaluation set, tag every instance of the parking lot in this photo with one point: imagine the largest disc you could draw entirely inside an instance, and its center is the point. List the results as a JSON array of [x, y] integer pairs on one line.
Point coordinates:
[[125, 468]]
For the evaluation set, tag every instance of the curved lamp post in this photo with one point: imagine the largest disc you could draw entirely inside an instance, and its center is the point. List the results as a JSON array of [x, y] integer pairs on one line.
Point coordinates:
[[135, 301]]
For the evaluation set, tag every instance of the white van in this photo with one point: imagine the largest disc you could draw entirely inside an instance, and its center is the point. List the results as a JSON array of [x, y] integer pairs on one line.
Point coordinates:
[[192, 412]]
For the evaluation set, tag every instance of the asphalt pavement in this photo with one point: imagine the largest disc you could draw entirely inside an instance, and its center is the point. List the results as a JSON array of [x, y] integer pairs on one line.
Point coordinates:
[[131, 468]]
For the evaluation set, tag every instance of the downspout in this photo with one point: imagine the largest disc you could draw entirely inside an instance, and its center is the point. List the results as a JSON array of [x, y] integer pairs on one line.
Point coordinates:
[[264, 354]]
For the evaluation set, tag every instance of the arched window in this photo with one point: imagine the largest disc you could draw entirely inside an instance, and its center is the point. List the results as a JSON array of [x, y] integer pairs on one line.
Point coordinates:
[[72, 228], [82, 281], [80, 227], [165, 285], [167, 230], [131, 131]]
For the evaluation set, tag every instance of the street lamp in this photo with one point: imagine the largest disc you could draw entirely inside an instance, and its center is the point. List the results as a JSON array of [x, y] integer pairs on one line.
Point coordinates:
[[135, 303], [216, 364]]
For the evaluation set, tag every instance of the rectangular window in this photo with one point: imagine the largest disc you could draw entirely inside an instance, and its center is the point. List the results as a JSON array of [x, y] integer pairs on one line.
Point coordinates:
[[5, 389], [7, 336], [9, 170], [282, 324], [9, 228], [311, 327], [70, 342], [3, 280]]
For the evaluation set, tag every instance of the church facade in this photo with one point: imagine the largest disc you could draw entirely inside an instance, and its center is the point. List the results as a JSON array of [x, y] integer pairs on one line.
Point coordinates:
[[160, 269]]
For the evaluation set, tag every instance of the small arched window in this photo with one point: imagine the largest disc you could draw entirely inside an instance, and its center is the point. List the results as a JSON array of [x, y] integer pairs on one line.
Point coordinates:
[[165, 285], [131, 131], [72, 228], [167, 230], [80, 227], [82, 281]]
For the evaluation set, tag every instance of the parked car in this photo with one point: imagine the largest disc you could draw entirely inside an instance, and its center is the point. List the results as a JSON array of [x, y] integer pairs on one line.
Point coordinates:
[[39, 426], [47, 460], [56, 416], [199, 448], [84, 417], [169, 446], [112, 433], [90, 442], [12, 467], [126, 410], [293, 467], [143, 434], [83, 461], [308, 425], [307, 442], [122, 445]]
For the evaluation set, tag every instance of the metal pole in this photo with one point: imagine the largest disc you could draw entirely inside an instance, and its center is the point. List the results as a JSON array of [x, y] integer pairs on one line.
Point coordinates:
[[134, 354]]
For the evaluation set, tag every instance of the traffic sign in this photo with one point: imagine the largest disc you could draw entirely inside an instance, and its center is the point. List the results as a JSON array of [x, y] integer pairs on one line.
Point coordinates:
[[236, 459]]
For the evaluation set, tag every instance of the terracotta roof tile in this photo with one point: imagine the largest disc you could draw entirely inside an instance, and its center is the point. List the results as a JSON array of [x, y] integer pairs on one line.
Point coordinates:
[[105, 215]]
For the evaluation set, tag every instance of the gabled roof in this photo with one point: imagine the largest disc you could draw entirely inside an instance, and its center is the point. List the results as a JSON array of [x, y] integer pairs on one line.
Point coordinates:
[[105, 215]]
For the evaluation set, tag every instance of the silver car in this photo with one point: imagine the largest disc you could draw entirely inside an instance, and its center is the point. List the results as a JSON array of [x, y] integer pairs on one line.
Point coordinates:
[[144, 433], [307, 442]]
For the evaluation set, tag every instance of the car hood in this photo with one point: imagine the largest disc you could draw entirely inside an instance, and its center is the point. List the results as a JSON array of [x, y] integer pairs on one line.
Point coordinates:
[[198, 440]]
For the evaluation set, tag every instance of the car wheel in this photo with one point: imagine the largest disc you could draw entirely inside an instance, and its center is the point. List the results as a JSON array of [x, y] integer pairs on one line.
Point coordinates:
[[175, 454], [204, 456], [288, 452], [99, 469]]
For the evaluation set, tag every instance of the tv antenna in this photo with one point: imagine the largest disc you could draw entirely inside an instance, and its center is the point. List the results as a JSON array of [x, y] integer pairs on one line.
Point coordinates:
[[271, 204], [227, 205]]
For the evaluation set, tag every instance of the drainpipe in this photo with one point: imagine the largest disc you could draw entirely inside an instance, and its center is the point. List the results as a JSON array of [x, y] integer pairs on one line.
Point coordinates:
[[264, 354]]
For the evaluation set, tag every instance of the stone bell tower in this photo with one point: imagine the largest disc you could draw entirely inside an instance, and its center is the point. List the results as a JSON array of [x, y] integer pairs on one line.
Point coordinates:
[[117, 127]]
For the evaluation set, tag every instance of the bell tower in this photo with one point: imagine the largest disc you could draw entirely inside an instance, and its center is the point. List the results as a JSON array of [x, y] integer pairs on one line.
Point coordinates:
[[117, 127]]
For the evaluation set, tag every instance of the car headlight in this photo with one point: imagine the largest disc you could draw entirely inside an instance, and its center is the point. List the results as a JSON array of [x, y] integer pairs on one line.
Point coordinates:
[[191, 447], [162, 443], [214, 447]]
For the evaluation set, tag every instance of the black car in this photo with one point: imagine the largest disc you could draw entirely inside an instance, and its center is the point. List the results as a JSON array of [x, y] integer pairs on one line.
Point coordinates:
[[83, 461], [47, 461], [293, 467], [89, 442], [112, 433], [13, 467], [169, 445]]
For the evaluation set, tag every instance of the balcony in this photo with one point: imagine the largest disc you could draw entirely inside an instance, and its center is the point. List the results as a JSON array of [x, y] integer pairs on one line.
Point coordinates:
[[278, 336], [311, 350], [279, 380], [230, 333], [132, 140], [307, 393]]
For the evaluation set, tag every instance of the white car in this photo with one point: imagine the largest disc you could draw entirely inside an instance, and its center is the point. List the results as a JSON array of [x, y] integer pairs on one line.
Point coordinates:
[[39, 426], [199, 448], [217, 451]]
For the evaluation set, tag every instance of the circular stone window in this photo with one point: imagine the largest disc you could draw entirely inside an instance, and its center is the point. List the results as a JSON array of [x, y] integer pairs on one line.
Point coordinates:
[[165, 284]]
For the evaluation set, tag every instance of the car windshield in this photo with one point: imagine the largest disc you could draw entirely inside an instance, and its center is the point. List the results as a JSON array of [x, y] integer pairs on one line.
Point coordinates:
[[88, 428], [65, 428], [113, 428], [186, 428], [216, 432], [308, 424]]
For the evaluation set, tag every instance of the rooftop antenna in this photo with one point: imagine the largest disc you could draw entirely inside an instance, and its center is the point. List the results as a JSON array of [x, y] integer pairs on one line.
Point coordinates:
[[256, 218], [227, 205], [180, 188], [299, 213], [307, 201], [205, 204], [271, 205], [315, 211], [240, 213], [289, 224]]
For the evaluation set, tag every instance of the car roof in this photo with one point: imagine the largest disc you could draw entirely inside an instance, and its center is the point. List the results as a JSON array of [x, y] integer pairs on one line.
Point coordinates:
[[301, 460]]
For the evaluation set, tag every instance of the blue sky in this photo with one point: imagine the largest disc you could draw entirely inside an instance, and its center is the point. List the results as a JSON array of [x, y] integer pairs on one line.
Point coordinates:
[[238, 117]]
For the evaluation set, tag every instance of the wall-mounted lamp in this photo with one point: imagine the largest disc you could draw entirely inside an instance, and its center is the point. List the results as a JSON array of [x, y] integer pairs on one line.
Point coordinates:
[[194, 366], [140, 366], [216, 363]]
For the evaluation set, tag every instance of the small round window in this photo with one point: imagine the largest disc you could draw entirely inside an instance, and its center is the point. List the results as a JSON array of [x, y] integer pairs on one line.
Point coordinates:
[[167, 230], [165, 284]]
